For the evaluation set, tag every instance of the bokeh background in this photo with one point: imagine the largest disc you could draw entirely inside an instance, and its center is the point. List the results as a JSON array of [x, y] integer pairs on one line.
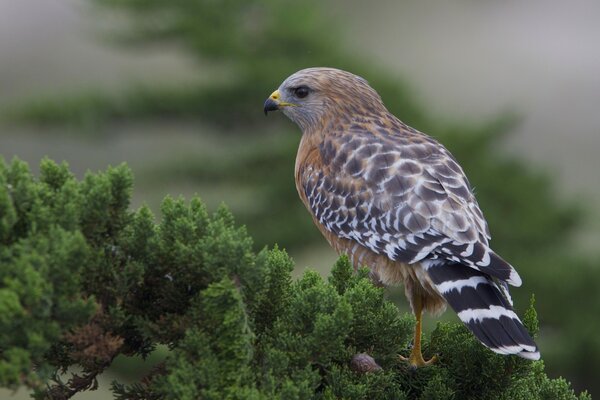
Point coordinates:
[[175, 89]]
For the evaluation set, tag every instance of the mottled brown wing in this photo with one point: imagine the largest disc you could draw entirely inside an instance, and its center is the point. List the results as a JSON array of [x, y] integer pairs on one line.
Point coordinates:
[[403, 196]]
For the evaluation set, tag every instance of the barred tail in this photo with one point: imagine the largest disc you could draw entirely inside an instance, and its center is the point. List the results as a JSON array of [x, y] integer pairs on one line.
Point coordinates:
[[485, 307]]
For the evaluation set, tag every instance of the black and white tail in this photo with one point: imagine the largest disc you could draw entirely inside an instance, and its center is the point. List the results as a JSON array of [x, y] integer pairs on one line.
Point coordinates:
[[484, 305]]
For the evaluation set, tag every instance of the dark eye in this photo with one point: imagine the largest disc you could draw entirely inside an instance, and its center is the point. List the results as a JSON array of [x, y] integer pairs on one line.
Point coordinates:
[[301, 92]]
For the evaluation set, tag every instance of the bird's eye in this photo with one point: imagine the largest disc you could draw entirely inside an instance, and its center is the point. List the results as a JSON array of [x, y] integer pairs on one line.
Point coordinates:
[[301, 92]]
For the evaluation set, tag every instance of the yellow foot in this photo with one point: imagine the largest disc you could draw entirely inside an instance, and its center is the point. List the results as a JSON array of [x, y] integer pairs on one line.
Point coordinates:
[[416, 360]]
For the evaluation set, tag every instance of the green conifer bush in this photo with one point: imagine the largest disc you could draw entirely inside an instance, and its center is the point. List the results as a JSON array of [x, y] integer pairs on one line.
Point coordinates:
[[84, 279]]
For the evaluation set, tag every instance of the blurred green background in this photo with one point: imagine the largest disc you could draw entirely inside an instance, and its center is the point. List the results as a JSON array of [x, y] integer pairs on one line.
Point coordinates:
[[175, 89]]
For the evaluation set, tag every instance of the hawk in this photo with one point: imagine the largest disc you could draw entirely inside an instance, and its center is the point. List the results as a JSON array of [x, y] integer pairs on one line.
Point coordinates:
[[395, 200]]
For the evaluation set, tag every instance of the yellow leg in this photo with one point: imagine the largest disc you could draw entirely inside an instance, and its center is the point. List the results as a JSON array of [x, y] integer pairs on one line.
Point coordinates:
[[416, 357]]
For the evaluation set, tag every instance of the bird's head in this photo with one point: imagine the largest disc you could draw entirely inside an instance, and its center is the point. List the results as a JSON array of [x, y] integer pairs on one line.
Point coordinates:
[[313, 95]]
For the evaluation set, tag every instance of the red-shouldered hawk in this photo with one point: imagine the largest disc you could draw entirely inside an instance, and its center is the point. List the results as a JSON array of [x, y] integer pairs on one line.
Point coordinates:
[[395, 200]]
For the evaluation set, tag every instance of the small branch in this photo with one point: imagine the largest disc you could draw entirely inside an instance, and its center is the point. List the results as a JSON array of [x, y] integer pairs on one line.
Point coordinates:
[[94, 348]]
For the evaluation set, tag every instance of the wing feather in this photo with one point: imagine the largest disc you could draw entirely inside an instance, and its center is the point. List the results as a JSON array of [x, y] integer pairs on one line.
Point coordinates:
[[408, 199]]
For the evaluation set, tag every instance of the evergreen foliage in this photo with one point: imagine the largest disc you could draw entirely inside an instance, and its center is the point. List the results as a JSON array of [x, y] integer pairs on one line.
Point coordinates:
[[85, 279]]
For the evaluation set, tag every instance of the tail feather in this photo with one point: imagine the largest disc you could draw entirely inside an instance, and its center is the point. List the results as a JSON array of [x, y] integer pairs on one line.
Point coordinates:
[[480, 257], [482, 306]]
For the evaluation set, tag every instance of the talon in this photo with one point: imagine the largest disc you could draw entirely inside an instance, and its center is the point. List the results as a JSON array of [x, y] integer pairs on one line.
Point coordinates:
[[416, 359]]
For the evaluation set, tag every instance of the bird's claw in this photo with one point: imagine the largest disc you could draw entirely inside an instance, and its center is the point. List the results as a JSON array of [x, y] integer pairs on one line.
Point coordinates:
[[417, 361]]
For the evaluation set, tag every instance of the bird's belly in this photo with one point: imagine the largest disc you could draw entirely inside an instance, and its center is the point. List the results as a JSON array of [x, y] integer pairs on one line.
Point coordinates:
[[387, 272]]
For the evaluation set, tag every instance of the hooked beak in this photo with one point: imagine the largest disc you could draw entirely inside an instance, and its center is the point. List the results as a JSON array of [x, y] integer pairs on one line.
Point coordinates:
[[274, 103]]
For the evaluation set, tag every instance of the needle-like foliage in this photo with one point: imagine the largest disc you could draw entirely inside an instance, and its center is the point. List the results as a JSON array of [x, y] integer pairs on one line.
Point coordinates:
[[84, 279]]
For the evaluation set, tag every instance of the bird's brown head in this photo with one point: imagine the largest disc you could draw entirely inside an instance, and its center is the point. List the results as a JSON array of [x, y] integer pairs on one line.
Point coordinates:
[[314, 95]]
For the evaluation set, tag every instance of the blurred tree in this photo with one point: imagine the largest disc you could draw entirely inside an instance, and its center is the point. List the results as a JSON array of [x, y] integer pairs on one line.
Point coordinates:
[[84, 279], [257, 43]]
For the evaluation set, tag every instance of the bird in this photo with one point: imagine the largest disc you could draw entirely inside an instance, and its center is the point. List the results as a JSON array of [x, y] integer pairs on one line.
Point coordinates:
[[395, 200]]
